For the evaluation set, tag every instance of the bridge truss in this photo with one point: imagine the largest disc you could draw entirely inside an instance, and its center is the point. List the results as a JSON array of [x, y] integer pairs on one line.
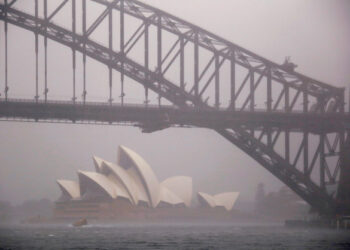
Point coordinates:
[[256, 104]]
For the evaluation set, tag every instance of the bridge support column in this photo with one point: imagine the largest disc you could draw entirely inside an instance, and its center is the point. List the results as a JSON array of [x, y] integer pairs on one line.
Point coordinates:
[[269, 90], [233, 81], [159, 53], [84, 50], [182, 63], [322, 161], [110, 46], [252, 90], [122, 48], [343, 194], [306, 153], [146, 59], [287, 145], [46, 90], [6, 54], [36, 97], [217, 82], [74, 98], [196, 65], [305, 98]]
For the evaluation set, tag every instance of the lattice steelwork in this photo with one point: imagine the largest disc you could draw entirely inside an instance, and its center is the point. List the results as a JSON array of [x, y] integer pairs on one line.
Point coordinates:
[[256, 104]]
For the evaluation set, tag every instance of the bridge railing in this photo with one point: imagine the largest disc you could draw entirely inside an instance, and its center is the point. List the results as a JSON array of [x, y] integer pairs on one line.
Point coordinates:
[[149, 106]]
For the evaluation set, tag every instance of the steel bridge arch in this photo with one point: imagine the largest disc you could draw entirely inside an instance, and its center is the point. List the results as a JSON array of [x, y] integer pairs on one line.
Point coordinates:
[[263, 153]]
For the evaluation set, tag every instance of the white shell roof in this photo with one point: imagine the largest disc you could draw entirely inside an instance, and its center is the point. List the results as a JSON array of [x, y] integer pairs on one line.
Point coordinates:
[[70, 187], [169, 197], [134, 180], [226, 200], [138, 186], [98, 163], [100, 180], [119, 188], [149, 179], [207, 198], [124, 178], [181, 186]]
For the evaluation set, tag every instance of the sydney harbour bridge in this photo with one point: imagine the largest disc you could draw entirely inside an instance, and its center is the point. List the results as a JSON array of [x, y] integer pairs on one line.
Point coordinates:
[[199, 80]]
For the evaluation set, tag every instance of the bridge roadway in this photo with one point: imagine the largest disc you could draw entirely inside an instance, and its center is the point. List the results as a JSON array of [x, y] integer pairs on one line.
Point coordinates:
[[153, 117]]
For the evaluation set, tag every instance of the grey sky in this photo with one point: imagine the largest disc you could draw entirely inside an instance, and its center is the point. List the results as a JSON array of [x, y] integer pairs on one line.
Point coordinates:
[[315, 33]]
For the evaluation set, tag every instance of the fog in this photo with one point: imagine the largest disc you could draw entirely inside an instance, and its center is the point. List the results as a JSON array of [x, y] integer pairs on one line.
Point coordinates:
[[315, 33]]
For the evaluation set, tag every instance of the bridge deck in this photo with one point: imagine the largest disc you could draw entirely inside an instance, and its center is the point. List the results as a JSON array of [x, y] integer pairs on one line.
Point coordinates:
[[153, 115]]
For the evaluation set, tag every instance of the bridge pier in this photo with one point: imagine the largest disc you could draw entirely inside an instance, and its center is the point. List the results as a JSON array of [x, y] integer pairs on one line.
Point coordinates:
[[343, 195]]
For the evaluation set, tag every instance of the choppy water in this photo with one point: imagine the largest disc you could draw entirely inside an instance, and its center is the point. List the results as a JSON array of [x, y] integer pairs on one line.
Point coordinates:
[[171, 236]]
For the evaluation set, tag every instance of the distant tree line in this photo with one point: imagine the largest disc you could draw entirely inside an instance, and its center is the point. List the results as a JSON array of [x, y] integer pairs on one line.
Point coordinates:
[[27, 209], [281, 204]]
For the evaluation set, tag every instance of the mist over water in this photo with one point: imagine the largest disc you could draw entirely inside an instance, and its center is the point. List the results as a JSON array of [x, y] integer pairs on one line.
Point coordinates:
[[171, 236]]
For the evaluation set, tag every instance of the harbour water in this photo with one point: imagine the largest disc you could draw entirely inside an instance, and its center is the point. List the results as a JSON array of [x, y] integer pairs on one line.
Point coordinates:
[[170, 236]]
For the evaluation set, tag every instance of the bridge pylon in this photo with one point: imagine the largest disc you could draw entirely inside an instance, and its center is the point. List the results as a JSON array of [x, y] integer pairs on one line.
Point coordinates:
[[343, 193]]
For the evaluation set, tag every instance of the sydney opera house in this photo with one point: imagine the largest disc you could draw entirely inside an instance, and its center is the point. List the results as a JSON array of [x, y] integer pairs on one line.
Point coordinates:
[[130, 188]]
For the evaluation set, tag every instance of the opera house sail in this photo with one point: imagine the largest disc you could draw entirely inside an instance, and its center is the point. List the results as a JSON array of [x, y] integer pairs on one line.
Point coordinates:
[[225, 200], [126, 187]]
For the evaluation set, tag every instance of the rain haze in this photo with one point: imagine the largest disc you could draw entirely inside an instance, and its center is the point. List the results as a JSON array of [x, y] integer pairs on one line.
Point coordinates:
[[316, 34], [307, 37]]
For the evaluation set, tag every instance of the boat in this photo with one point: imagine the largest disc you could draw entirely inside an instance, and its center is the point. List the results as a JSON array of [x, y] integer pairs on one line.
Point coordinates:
[[80, 222]]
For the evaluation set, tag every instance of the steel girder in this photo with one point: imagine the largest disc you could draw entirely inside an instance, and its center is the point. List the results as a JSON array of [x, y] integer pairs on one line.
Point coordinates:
[[137, 113], [281, 168], [222, 51], [229, 51], [343, 198], [98, 52], [242, 135]]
